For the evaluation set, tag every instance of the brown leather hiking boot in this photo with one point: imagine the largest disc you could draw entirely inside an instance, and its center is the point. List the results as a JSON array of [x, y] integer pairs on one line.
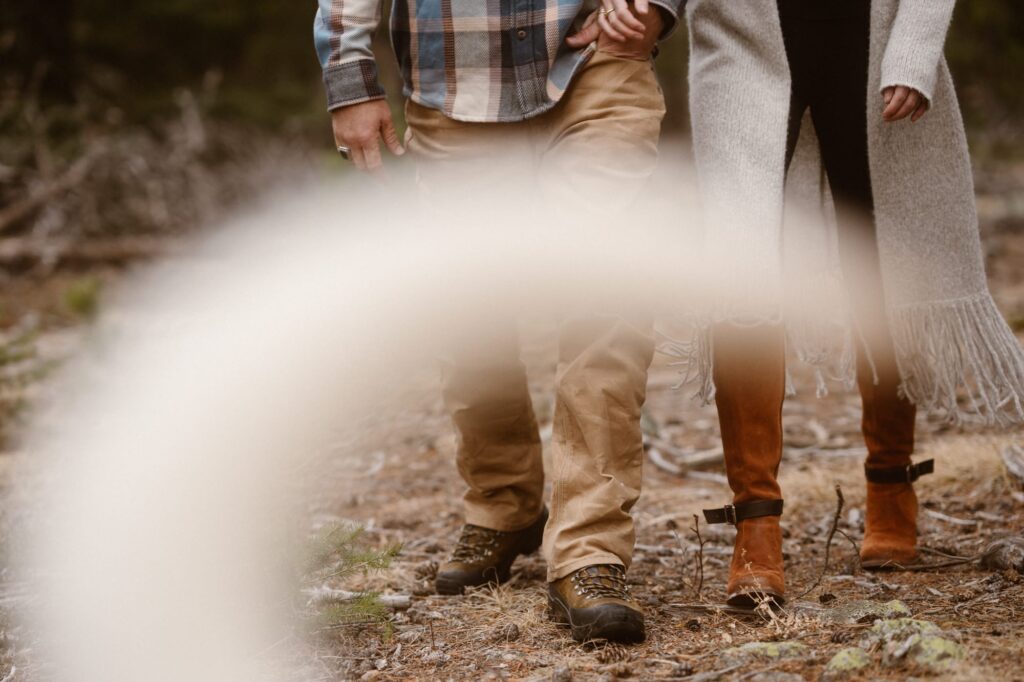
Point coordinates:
[[594, 601], [485, 556], [750, 383], [890, 524]]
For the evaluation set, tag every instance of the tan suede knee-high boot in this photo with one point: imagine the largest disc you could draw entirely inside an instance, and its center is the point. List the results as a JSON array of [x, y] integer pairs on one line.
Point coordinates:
[[750, 381], [890, 526]]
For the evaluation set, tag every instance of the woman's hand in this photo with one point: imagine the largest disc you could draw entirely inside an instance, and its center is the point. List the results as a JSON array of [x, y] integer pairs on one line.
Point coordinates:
[[631, 48], [901, 101]]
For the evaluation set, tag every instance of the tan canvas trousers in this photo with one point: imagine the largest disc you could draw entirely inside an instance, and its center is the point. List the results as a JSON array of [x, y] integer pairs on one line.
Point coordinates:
[[593, 152]]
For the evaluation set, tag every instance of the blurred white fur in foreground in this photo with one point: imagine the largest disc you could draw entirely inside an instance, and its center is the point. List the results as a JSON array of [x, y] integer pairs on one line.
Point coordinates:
[[164, 457]]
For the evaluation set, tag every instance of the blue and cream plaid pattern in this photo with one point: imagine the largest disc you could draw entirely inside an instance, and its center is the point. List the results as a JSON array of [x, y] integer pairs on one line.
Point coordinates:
[[474, 60]]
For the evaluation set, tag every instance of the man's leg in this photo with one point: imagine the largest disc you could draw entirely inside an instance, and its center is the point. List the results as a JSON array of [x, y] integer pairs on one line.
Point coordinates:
[[603, 138], [484, 383], [597, 454], [602, 150], [837, 109]]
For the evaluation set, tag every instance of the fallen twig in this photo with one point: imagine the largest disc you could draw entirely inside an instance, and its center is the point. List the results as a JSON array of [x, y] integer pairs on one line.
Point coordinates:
[[659, 460], [950, 519], [699, 568], [840, 502]]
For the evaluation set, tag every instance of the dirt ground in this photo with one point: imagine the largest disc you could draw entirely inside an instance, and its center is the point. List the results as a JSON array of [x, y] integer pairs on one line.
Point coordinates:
[[402, 486], [410, 495]]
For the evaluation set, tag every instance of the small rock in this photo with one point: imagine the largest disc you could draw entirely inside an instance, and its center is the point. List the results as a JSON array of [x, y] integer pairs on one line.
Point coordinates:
[[847, 662], [936, 654], [896, 631], [371, 675], [866, 611], [693, 625], [561, 673], [764, 651], [509, 632], [1004, 554], [917, 642]]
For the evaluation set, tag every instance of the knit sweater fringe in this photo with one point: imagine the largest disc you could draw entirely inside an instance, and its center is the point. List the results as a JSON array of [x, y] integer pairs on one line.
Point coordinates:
[[956, 358]]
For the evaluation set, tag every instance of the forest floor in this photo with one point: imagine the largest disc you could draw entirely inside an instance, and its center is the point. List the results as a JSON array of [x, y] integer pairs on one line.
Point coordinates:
[[408, 492], [405, 489]]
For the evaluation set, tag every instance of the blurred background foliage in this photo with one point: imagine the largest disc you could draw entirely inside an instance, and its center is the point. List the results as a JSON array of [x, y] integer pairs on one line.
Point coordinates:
[[126, 60]]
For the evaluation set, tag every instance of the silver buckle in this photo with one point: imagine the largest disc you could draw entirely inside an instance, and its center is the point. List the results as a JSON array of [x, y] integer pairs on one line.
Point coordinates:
[[730, 514], [910, 473]]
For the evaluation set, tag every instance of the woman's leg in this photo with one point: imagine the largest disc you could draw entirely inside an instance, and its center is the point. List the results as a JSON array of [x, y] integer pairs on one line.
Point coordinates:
[[750, 378], [838, 96], [750, 384]]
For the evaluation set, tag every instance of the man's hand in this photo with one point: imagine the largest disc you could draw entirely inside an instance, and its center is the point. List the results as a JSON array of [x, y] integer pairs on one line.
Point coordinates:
[[901, 101], [612, 34], [360, 127]]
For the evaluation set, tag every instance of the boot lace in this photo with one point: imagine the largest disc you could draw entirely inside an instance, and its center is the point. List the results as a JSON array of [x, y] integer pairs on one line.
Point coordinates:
[[602, 581], [476, 544]]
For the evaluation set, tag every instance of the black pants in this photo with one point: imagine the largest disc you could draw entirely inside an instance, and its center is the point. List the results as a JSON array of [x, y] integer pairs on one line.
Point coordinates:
[[827, 44]]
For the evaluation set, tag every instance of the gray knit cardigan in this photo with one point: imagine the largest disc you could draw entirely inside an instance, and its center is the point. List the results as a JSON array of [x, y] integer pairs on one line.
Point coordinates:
[[950, 339]]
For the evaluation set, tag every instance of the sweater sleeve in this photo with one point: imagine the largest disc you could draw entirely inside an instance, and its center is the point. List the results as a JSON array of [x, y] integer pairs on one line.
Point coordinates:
[[342, 33], [670, 10], [915, 45]]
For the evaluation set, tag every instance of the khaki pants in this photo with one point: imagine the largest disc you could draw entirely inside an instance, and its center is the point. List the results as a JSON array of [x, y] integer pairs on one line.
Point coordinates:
[[593, 152]]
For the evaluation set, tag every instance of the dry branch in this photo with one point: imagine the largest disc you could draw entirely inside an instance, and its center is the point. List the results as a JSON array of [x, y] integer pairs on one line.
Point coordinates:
[[682, 459], [950, 519], [13, 214], [840, 502], [698, 579]]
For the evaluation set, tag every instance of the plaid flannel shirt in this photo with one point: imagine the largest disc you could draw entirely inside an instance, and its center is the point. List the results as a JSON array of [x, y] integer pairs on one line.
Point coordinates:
[[474, 60]]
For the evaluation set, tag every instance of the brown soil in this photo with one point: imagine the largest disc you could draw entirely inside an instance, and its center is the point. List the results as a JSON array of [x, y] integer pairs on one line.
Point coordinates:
[[414, 499]]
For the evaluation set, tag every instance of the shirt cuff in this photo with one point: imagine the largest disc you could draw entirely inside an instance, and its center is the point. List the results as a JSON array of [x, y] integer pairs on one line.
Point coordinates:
[[352, 83], [670, 14]]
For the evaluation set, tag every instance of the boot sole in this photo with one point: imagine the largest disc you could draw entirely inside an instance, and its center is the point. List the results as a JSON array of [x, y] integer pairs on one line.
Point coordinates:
[[749, 601], [529, 544], [624, 626]]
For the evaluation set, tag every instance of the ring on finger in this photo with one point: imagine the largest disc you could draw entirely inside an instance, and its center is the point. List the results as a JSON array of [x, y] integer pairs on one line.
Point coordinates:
[[607, 12], [346, 153]]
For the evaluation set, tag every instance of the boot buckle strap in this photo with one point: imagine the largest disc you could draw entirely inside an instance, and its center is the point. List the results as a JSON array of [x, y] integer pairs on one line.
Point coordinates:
[[733, 514], [906, 474]]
